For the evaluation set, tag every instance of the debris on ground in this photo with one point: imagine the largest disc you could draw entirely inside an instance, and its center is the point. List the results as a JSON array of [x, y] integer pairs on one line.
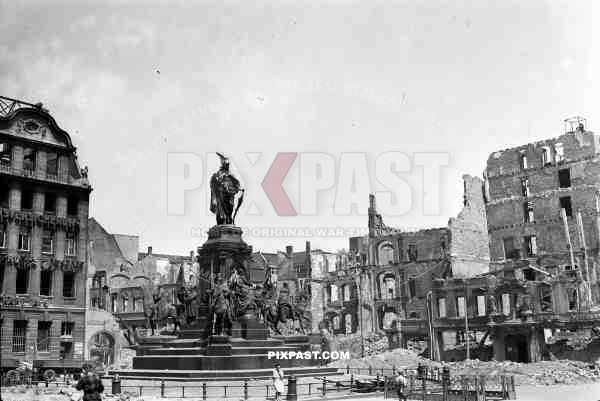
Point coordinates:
[[537, 373]]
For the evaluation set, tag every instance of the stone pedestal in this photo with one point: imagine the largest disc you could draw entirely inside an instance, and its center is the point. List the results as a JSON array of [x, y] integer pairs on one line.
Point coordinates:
[[223, 250], [218, 346]]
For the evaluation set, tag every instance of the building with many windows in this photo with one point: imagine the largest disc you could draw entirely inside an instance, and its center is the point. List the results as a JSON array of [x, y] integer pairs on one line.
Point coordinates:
[[44, 197], [543, 214]]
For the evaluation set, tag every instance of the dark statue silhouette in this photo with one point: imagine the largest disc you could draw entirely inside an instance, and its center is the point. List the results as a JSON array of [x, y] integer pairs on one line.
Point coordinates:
[[224, 189]]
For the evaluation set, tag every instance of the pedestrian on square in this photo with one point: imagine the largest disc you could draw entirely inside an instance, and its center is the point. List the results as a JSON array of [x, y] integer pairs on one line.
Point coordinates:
[[91, 384], [278, 381], [401, 386]]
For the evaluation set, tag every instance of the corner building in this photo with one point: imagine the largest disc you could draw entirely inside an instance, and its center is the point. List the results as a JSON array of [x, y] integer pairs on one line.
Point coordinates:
[[44, 201]]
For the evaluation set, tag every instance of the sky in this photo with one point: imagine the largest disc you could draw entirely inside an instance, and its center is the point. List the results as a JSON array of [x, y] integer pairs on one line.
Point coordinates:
[[137, 84]]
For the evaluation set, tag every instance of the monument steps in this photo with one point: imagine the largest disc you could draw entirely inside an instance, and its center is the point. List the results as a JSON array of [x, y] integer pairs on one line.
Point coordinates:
[[185, 375], [194, 351]]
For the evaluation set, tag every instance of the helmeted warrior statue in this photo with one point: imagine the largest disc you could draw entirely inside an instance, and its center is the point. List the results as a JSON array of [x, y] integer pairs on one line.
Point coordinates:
[[224, 188]]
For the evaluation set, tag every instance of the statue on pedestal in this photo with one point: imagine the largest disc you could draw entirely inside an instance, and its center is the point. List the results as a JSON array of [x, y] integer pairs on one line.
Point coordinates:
[[224, 188], [221, 308]]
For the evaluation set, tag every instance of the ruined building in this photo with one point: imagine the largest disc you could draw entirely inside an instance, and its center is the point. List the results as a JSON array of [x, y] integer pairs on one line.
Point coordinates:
[[395, 269], [119, 279], [44, 197], [543, 214]]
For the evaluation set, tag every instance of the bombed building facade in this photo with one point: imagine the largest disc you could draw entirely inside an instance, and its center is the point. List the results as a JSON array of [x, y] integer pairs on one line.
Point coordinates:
[[120, 283], [386, 281], [543, 214]]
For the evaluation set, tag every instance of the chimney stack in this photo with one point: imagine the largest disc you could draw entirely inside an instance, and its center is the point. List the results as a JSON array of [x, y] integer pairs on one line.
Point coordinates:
[[289, 250], [192, 255], [308, 247], [149, 250]]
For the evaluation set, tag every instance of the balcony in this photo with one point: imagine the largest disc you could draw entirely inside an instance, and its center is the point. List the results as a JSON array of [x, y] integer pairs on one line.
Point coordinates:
[[31, 174]]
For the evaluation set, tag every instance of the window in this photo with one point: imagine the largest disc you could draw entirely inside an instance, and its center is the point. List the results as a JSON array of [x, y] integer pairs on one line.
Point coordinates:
[[528, 216], [18, 340], [72, 203], [48, 242], [28, 160], [559, 152], [24, 241], [386, 254], [51, 164], [412, 252], [531, 245], [572, 296], [545, 157], [26, 200], [546, 299], [461, 306], [66, 328], [71, 245], [50, 203], [334, 293], [46, 283], [66, 350], [412, 287], [564, 178], [510, 250], [22, 282], [113, 303], [4, 196], [2, 271], [529, 274], [43, 336], [68, 284], [347, 292], [565, 203], [5, 154], [506, 304], [3, 236], [525, 186], [481, 305], [523, 158], [442, 307]]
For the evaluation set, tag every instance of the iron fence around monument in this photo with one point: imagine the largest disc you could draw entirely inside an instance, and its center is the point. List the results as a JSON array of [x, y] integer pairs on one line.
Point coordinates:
[[464, 388]]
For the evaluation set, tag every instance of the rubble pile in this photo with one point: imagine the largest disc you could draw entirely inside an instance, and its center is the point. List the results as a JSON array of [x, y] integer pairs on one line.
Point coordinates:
[[538, 373], [374, 344]]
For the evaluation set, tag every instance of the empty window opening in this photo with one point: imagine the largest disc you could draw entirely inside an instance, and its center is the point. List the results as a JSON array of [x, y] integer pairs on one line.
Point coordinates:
[[523, 158], [531, 245], [528, 212], [564, 178], [529, 274], [525, 186], [510, 250], [565, 203]]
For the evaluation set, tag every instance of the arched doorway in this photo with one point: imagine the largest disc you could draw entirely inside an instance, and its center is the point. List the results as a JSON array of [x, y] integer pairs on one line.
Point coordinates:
[[102, 348]]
